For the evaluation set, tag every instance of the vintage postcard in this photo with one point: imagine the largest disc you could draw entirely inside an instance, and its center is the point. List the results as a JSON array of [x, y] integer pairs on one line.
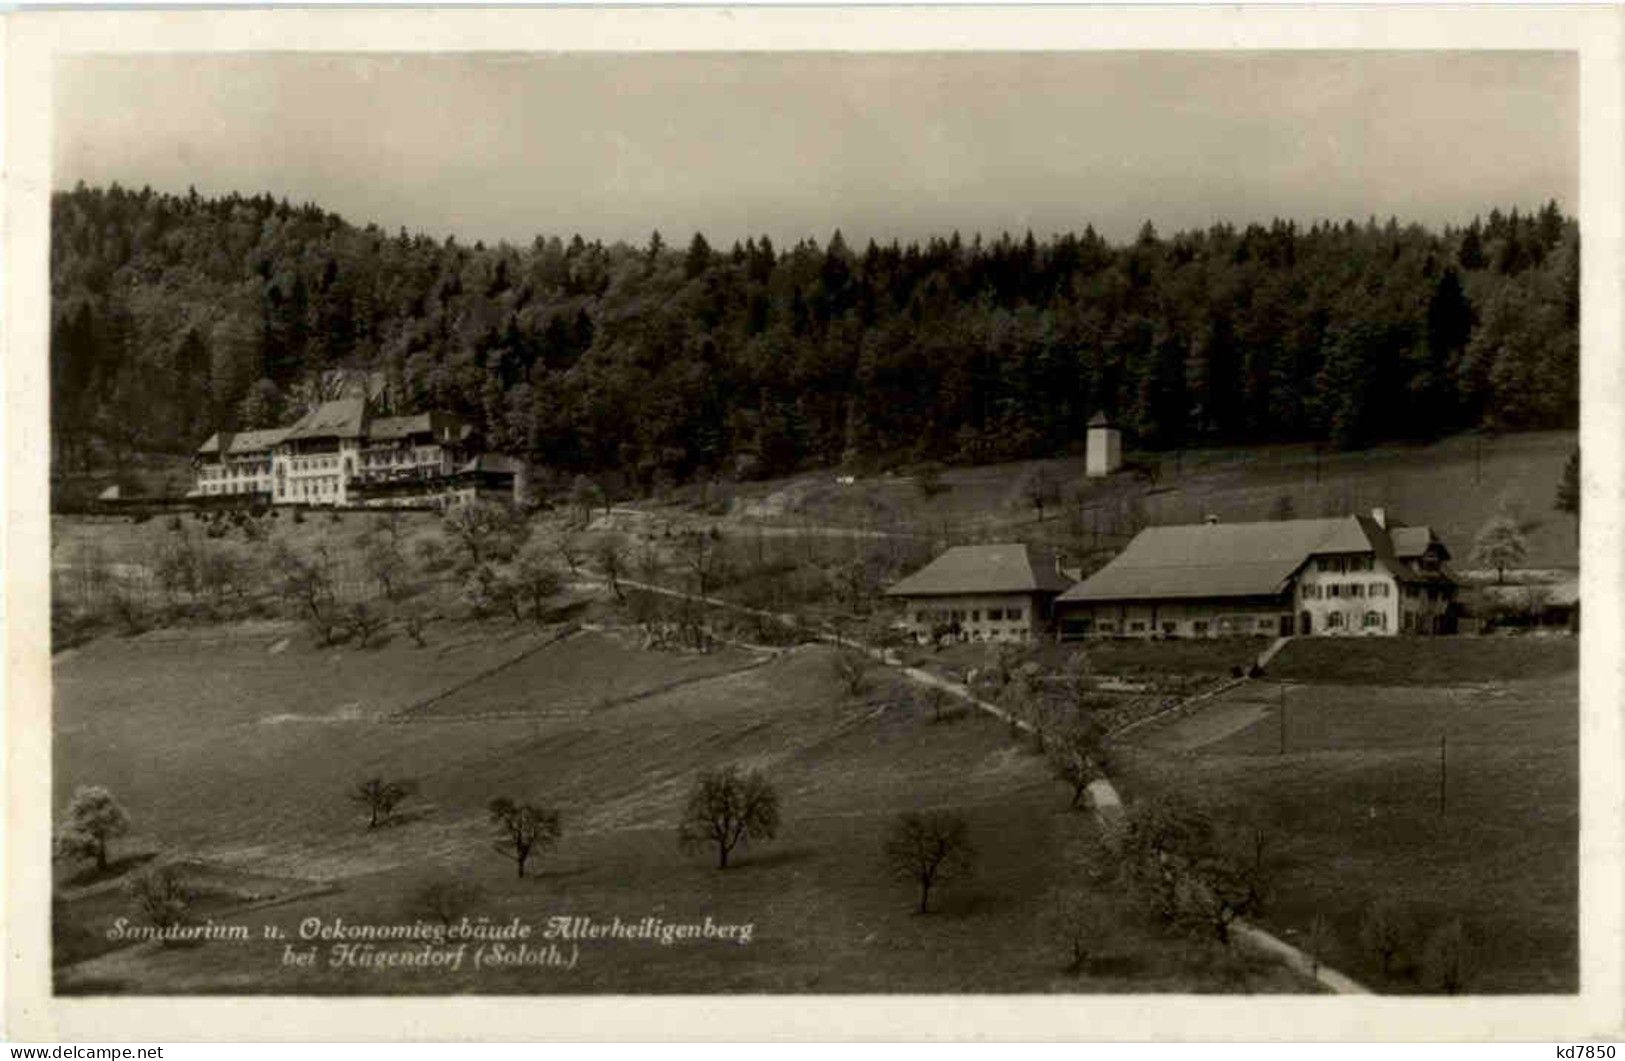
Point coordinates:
[[1038, 523]]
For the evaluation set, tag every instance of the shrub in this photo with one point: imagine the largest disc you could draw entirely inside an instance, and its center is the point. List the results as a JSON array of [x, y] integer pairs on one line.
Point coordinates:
[[161, 895]]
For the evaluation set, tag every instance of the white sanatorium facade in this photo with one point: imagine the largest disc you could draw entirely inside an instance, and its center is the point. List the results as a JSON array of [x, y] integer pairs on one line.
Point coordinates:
[[338, 454]]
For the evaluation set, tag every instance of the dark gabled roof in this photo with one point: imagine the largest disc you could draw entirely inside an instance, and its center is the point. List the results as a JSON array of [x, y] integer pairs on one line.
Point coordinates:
[[1234, 559], [492, 462], [388, 427], [242, 441], [340, 419], [256, 441], [1010, 567], [1411, 542]]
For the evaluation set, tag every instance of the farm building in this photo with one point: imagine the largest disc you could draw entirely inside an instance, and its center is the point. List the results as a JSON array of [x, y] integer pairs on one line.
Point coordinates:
[[1359, 575], [983, 593]]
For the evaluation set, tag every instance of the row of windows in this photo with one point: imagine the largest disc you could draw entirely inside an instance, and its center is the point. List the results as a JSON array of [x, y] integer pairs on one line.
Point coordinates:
[[1235, 624], [1313, 591], [974, 615], [322, 487], [1369, 621], [1344, 564]]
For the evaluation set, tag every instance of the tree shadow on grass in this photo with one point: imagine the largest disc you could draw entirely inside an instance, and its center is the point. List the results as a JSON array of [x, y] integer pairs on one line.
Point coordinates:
[[770, 859]]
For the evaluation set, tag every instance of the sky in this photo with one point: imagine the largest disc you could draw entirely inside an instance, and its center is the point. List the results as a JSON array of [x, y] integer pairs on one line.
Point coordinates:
[[614, 146]]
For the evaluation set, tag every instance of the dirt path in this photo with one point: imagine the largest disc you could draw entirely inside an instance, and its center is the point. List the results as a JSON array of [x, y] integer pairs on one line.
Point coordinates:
[[1108, 803]]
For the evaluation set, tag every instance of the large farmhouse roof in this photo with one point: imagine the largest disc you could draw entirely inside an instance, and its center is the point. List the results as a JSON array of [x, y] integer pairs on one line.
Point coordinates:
[[340, 419], [1011, 567], [1237, 559]]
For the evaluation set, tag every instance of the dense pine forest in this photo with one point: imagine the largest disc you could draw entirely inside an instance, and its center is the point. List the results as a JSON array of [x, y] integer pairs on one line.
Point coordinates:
[[175, 316]]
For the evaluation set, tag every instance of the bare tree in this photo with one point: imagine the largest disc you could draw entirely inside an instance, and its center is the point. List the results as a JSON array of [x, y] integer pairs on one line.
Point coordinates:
[[727, 808], [95, 819], [1217, 888], [566, 545], [610, 553], [363, 622], [1080, 923], [413, 621], [380, 797], [703, 556], [1040, 489], [535, 583], [1317, 942], [382, 556], [485, 530], [524, 828], [446, 899], [851, 668], [1385, 928], [308, 584], [1079, 755], [929, 848], [934, 698]]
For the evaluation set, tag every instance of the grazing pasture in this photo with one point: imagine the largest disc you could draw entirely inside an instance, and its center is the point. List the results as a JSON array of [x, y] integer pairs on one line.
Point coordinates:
[[240, 759], [1351, 809]]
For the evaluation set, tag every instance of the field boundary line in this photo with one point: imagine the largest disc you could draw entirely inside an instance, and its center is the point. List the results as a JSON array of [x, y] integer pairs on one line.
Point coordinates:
[[403, 715], [622, 701]]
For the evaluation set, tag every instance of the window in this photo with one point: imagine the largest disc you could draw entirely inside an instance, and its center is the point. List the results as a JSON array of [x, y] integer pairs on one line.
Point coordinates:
[[995, 614], [1357, 589], [1200, 626], [1374, 620], [1169, 628], [1266, 624], [1015, 614], [1334, 620], [1333, 590], [1137, 627], [1322, 564], [1107, 626]]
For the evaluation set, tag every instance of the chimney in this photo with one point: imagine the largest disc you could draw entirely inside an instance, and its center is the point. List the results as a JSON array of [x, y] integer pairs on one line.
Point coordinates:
[[1381, 516]]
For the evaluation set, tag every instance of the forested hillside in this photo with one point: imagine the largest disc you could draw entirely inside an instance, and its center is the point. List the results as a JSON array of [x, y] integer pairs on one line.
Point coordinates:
[[175, 316]]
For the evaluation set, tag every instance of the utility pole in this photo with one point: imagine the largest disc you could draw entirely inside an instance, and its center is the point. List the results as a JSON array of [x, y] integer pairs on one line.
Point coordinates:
[[1282, 713], [1441, 774]]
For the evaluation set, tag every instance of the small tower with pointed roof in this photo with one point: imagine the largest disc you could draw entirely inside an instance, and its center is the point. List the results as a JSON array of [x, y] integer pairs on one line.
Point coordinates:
[[1104, 452]]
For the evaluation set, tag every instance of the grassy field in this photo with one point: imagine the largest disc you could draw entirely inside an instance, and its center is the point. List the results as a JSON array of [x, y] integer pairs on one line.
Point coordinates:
[[1352, 806], [237, 757], [1424, 661], [1454, 485]]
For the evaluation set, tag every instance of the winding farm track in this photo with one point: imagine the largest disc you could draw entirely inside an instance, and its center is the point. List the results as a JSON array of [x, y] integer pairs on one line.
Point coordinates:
[[1107, 802]]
